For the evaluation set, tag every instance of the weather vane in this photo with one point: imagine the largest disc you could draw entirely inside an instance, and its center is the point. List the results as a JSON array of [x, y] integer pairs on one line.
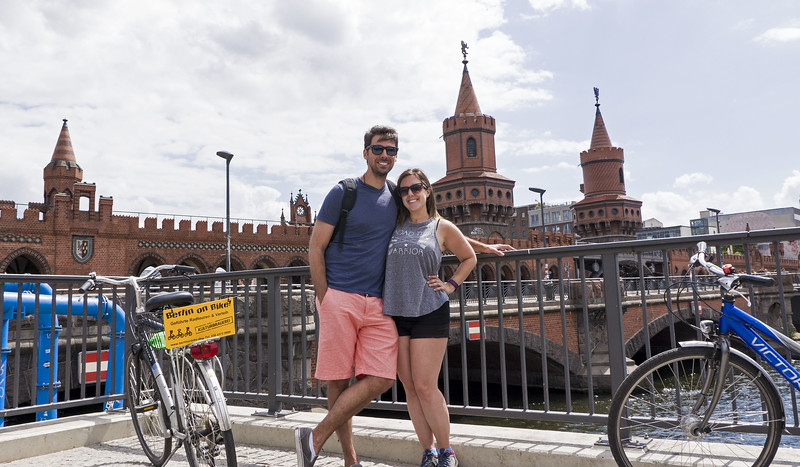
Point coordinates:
[[596, 96], [464, 48]]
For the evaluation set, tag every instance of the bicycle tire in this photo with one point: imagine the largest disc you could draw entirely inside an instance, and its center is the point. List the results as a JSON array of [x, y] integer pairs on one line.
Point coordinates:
[[648, 400], [205, 442], [145, 402]]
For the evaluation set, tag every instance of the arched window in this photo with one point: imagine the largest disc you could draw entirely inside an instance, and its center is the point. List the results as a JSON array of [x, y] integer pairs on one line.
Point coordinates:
[[621, 176], [472, 148]]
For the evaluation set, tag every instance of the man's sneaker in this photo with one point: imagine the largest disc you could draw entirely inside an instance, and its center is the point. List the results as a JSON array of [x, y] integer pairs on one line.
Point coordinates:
[[429, 458], [302, 438], [447, 459]]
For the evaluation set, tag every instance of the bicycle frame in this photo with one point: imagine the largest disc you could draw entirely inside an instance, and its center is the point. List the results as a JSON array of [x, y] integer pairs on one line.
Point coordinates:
[[738, 322]]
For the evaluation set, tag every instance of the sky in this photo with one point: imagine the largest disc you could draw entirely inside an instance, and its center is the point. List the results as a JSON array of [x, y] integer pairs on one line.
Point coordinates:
[[702, 95]]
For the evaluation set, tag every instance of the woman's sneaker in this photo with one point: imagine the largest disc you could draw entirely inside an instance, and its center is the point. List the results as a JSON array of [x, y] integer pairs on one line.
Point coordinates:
[[447, 459], [429, 458]]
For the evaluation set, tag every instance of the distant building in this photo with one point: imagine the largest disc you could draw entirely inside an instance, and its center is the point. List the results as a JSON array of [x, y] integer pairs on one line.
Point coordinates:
[[557, 219], [750, 220], [663, 232]]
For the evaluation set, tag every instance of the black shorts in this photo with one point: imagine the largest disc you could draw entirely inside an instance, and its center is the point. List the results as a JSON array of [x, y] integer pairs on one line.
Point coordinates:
[[433, 324]]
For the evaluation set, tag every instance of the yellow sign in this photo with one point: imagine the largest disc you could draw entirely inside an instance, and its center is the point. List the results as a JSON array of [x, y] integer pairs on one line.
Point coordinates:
[[182, 326]]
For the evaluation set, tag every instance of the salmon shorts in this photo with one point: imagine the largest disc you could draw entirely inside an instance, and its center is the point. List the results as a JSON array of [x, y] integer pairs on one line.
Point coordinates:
[[355, 337]]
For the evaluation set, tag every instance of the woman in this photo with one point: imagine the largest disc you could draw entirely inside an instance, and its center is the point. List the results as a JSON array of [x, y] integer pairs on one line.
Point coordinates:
[[417, 299]]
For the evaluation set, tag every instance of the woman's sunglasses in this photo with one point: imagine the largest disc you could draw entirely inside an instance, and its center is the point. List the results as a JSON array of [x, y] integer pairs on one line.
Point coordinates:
[[415, 188]]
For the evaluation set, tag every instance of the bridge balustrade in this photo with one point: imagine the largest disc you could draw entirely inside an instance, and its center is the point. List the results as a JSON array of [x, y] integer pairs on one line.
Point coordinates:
[[547, 348]]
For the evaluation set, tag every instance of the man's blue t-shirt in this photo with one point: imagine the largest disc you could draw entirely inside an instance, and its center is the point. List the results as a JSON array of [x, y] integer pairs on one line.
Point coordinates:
[[359, 266]]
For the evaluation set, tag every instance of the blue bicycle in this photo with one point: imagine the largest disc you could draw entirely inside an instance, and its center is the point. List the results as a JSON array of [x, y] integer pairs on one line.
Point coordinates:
[[706, 403]]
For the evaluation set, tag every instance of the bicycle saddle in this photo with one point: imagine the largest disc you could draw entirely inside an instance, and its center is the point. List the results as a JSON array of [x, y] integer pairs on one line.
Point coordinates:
[[177, 299]]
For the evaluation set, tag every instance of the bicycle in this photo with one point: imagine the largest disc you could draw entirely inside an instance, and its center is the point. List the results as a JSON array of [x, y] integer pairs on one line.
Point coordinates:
[[184, 403], [705, 402]]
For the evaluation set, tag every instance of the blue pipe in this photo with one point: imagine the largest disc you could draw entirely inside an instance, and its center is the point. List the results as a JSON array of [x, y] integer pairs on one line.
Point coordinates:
[[44, 289], [95, 308], [4, 351]]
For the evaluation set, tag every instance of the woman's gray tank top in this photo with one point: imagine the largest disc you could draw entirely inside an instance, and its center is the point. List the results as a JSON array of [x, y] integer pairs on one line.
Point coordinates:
[[413, 255]]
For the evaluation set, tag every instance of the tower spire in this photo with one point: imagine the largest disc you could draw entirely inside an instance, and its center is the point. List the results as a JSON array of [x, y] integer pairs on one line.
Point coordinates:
[[467, 102], [600, 137], [63, 170], [63, 150]]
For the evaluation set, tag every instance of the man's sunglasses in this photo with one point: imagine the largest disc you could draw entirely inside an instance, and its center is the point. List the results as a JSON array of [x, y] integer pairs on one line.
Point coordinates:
[[377, 149], [415, 188]]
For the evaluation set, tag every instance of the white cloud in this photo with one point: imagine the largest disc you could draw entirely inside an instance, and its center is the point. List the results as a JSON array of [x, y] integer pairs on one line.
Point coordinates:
[[693, 180], [551, 5], [668, 207], [789, 194], [779, 35]]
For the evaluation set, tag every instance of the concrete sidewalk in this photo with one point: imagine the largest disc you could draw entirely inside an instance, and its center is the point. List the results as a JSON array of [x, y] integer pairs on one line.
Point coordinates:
[[108, 439]]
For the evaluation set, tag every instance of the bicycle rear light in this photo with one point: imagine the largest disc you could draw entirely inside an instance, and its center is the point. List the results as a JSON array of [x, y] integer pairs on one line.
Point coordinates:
[[204, 351]]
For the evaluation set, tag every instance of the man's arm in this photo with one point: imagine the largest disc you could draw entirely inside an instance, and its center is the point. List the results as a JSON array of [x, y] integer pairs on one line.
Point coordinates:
[[494, 248], [320, 237]]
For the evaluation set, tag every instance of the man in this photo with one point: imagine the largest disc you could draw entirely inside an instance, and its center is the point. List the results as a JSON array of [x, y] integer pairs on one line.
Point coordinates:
[[355, 337]]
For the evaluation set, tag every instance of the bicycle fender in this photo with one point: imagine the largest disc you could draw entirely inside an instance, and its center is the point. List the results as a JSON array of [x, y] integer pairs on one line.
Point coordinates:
[[738, 353], [215, 389]]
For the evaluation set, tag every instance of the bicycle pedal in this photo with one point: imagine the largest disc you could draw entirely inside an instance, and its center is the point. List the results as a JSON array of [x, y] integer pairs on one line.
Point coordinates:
[[147, 407]]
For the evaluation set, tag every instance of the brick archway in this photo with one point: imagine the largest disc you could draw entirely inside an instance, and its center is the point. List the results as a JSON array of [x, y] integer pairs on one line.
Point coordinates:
[[264, 262], [195, 261], [142, 261], [32, 255]]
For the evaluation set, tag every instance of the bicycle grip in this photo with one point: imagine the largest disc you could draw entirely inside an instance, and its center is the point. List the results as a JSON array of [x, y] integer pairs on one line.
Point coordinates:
[[86, 286], [759, 281], [183, 269]]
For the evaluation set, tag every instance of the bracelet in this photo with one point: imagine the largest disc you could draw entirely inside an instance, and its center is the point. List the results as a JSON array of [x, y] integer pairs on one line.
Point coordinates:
[[453, 283]]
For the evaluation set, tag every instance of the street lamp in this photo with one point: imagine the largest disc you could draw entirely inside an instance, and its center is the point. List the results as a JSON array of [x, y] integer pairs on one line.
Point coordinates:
[[716, 214], [541, 205], [227, 156]]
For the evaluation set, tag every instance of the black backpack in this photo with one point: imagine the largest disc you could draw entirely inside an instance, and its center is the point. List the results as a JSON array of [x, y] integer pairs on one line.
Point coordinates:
[[349, 200]]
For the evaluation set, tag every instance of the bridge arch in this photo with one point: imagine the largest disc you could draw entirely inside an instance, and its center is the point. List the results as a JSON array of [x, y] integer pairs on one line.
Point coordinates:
[[635, 346], [557, 359]]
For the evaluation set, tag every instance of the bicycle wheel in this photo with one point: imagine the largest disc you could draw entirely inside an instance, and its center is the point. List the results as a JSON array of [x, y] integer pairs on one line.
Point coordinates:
[[150, 420], [206, 444], [651, 419]]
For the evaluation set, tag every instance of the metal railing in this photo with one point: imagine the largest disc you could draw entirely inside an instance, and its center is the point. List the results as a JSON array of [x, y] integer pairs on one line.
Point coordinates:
[[509, 368]]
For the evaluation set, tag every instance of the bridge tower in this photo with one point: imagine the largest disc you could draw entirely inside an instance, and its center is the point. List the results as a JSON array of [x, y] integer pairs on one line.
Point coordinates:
[[606, 213], [472, 194]]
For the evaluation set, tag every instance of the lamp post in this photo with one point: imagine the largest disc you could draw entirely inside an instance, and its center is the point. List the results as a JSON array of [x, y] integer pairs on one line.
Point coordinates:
[[716, 214], [227, 156], [541, 205]]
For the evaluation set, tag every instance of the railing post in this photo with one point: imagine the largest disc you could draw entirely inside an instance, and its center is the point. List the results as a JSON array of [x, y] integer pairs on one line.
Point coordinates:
[[614, 319], [274, 367]]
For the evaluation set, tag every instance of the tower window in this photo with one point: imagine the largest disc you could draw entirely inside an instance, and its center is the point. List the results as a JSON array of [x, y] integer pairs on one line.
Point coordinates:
[[472, 148], [621, 176]]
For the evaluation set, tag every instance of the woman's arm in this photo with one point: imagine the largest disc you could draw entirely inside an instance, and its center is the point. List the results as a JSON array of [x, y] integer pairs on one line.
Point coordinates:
[[493, 248], [450, 238]]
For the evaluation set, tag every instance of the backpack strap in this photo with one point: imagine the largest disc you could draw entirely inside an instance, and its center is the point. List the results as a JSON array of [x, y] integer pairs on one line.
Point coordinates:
[[393, 190], [348, 201]]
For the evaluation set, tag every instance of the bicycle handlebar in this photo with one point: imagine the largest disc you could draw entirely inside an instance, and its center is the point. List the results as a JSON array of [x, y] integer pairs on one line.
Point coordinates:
[[147, 274], [727, 280]]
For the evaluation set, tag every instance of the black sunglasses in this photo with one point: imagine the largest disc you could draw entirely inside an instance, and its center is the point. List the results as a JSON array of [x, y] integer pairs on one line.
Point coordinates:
[[377, 149], [415, 188]]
